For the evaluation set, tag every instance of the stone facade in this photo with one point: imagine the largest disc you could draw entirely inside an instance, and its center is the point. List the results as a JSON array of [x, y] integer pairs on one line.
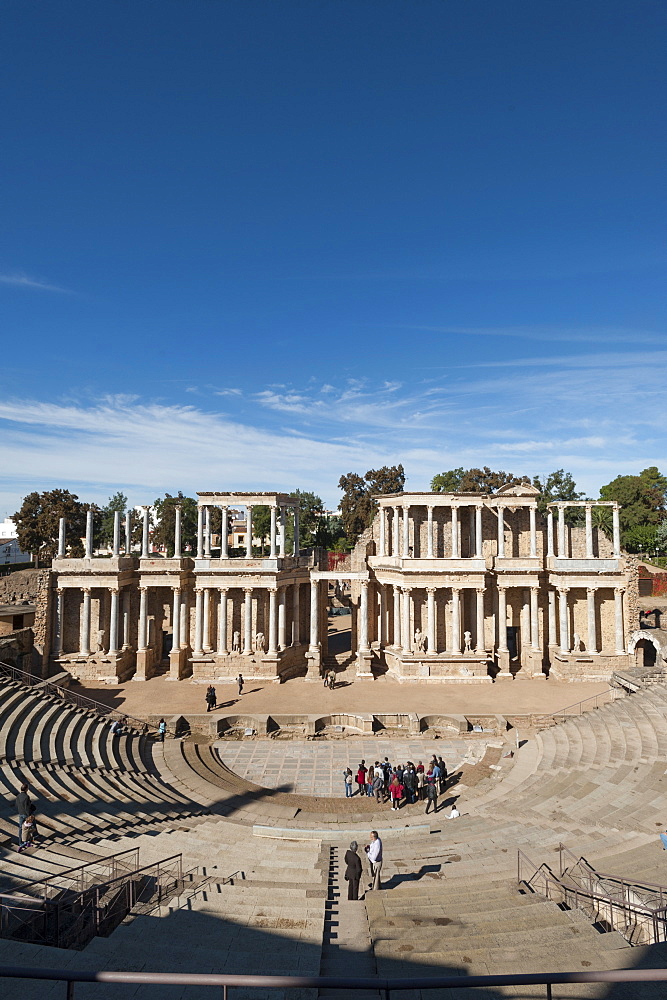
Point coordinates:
[[456, 587]]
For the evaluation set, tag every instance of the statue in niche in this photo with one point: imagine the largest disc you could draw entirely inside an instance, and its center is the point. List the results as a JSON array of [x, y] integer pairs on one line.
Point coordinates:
[[420, 641], [99, 645], [236, 642], [260, 642], [576, 643], [467, 642]]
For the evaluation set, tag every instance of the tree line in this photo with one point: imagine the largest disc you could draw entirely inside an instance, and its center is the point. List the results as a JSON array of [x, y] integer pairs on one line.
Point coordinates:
[[642, 500]]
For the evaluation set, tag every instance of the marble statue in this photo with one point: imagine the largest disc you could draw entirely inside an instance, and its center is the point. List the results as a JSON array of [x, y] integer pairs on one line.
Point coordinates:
[[99, 647], [576, 642], [260, 642], [420, 641], [236, 642], [467, 642]]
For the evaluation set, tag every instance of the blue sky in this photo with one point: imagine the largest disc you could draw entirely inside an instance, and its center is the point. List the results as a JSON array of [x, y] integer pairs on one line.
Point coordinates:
[[262, 244]]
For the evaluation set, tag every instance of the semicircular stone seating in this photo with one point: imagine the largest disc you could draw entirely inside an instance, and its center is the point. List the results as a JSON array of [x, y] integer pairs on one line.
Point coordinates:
[[452, 905]]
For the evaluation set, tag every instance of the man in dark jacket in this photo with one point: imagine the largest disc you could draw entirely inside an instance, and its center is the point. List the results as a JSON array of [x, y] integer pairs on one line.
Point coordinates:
[[352, 871], [22, 805]]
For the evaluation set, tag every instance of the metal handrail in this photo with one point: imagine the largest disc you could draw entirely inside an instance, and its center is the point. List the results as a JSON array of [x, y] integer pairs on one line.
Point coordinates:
[[625, 884], [567, 713], [378, 984], [72, 872], [80, 700]]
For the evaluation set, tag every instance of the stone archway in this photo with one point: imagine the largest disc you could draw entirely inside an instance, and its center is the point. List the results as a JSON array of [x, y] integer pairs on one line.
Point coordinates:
[[649, 647]]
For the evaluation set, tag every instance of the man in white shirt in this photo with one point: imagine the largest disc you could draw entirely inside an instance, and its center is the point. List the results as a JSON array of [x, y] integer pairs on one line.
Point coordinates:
[[374, 852]]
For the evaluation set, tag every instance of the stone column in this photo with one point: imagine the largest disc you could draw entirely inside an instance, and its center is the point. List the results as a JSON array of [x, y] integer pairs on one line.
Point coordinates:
[[281, 533], [406, 628], [532, 511], [178, 545], [126, 618], [456, 619], [429, 533], [282, 595], [85, 623], [502, 620], [200, 533], [363, 646], [618, 619], [144, 536], [550, 532], [552, 618], [381, 542], [478, 531], [185, 620], [406, 532], [206, 633], [222, 622], [501, 532], [480, 643], [314, 612], [143, 618], [382, 615], [534, 621], [562, 552], [115, 548], [199, 621], [296, 614], [176, 619], [589, 532], [247, 620], [273, 622], [430, 621], [113, 622], [128, 533], [207, 533], [397, 618], [89, 534], [61, 538], [395, 545], [296, 532], [617, 532], [59, 629], [273, 552], [224, 534], [456, 534], [248, 536], [591, 643], [564, 623]]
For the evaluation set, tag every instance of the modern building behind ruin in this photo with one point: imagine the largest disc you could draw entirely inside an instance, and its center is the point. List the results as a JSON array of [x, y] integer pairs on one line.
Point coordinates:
[[456, 587]]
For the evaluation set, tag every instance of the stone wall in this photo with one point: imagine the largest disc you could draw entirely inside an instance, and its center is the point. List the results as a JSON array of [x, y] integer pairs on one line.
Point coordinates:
[[632, 594], [23, 585], [16, 648], [43, 615]]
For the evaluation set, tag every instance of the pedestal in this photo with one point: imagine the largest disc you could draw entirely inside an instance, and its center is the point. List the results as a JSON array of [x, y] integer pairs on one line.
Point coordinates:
[[314, 665], [504, 664], [178, 665], [145, 665], [364, 665]]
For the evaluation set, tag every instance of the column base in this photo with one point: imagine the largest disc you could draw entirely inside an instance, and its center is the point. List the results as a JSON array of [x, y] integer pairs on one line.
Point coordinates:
[[504, 673], [314, 664], [145, 665], [364, 664], [178, 665]]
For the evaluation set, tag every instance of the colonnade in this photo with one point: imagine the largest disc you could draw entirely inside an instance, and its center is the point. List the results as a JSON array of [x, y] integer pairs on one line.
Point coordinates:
[[561, 549], [565, 635], [277, 531], [394, 532]]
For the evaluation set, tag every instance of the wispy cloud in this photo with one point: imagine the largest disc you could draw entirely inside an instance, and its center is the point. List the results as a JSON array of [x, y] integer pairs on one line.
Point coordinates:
[[19, 280], [543, 333]]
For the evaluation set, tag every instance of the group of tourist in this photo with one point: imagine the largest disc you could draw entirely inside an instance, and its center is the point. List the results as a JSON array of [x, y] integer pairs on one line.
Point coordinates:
[[26, 810], [353, 866], [211, 697], [401, 783]]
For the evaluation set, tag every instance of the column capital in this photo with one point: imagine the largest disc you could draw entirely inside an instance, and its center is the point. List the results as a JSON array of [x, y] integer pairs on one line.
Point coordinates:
[[197, 590], [563, 590], [248, 590], [114, 590], [223, 590], [431, 590], [619, 590], [480, 590], [457, 590], [430, 507], [591, 590], [87, 590], [502, 588], [176, 589], [534, 588], [272, 590], [364, 583], [406, 590], [405, 506], [60, 590]]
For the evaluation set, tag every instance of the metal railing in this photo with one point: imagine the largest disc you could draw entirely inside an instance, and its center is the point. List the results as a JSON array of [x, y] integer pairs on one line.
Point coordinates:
[[613, 904], [378, 985], [73, 917], [81, 877], [81, 701], [586, 705]]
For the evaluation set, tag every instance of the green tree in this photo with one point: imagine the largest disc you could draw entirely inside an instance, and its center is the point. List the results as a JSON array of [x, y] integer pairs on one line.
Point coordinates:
[[165, 522], [484, 480], [311, 510], [640, 538], [38, 523], [104, 524], [357, 506], [261, 523], [558, 485], [641, 499]]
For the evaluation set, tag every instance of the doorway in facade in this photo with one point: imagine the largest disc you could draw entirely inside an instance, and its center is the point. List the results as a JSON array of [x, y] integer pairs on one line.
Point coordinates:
[[645, 653]]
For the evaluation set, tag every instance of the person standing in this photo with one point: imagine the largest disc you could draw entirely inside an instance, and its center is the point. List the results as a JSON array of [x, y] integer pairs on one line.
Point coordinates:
[[332, 679], [378, 784], [347, 777], [374, 852], [214, 697], [361, 777], [239, 681], [431, 789], [209, 698], [370, 777], [352, 871], [420, 782], [22, 805], [162, 729], [396, 790], [443, 775], [410, 782]]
